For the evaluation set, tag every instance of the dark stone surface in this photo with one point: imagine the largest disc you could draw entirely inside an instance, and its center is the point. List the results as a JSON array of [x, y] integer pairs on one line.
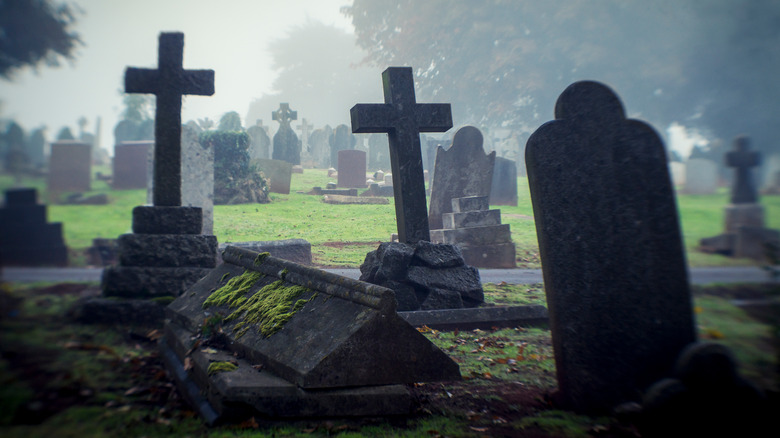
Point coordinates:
[[70, 167], [612, 253], [352, 168], [742, 159], [167, 220], [130, 161], [148, 282], [423, 267], [706, 397], [103, 252], [168, 250], [495, 256], [286, 145], [247, 392], [487, 235], [294, 250], [95, 310], [462, 170], [442, 299], [483, 318], [347, 335], [504, 187], [169, 82], [403, 119], [25, 237]]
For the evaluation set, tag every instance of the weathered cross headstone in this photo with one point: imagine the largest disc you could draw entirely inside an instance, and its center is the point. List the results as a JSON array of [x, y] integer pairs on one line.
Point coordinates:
[[352, 168], [26, 239], [745, 235], [169, 82], [286, 145], [166, 252], [742, 159], [462, 170], [130, 164], [403, 119], [70, 167], [612, 253], [305, 128]]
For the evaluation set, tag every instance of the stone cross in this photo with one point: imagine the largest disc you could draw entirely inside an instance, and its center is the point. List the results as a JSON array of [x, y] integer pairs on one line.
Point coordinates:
[[284, 115], [743, 190], [403, 119], [305, 129], [611, 248], [169, 82]]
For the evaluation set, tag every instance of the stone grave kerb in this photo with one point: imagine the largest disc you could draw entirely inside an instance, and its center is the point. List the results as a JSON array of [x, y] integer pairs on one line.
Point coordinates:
[[169, 82], [612, 254], [284, 115], [742, 159], [403, 119]]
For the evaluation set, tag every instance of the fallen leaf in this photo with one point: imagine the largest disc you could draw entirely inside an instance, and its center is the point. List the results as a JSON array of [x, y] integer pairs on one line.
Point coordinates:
[[209, 350]]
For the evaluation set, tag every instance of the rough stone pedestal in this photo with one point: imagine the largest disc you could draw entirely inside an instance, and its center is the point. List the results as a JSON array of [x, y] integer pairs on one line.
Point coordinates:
[[737, 215], [745, 235]]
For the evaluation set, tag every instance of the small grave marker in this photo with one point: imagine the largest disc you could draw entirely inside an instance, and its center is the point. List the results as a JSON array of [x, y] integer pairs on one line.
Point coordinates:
[[169, 82], [742, 159], [403, 119], [352, 168], [70, 167]]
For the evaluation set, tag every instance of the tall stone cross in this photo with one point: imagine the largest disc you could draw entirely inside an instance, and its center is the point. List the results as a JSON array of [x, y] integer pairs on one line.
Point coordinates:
[[742, 159], [169, 82], [403, 119], [305, 129], [284, 115]]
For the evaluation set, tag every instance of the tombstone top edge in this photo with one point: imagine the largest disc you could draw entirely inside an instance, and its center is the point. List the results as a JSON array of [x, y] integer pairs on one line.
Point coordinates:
[[586, 100]]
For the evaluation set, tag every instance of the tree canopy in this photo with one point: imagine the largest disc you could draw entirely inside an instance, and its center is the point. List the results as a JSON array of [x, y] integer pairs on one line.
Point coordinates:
[[502, 63], [35, 32]]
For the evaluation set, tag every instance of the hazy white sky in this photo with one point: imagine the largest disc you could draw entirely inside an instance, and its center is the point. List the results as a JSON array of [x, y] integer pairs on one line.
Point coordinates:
[[227, 36]]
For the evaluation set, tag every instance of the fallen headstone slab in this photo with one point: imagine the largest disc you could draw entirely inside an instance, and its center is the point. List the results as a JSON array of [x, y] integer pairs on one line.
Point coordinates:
[[341, 199], [294, 341]]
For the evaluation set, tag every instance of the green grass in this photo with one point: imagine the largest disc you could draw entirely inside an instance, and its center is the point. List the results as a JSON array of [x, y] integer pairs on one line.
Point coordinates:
[[341, 235]]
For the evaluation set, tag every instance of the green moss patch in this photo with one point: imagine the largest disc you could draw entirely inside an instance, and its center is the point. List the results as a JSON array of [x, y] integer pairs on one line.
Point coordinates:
[[232, 293], [221, 367]]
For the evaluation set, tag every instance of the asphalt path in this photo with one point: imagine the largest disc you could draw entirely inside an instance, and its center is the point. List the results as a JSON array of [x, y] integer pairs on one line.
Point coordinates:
[[511, 276]]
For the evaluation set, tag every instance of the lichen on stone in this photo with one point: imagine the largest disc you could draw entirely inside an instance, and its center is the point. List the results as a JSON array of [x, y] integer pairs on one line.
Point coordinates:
[[221, 367], [270, 308], [261, 258], [232, 293]]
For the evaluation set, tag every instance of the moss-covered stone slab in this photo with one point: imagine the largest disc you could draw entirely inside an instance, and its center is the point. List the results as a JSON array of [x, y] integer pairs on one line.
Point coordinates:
[[317, 331]]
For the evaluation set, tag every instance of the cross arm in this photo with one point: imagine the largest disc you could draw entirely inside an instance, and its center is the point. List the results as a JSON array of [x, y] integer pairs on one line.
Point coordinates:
[[372, 117], [141, 80], [198, 82]]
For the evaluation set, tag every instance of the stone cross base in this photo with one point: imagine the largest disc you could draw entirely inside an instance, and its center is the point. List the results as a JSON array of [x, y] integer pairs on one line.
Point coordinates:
[[478, 232], [164, 256], [745, 235], [737, 215]]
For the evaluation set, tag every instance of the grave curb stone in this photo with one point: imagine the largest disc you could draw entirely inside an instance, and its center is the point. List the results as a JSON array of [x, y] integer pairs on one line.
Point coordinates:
[[485, 235], [470, 219], [294, 250]]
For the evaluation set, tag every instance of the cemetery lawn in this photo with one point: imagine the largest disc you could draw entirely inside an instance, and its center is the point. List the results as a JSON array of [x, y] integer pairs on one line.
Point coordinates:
[[64, 379], [341, 235]]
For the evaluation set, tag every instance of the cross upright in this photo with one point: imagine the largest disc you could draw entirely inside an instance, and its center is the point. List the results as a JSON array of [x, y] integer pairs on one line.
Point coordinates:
[[305, 128], [742, 159], [284, 115], [403, 119], [169, 82]]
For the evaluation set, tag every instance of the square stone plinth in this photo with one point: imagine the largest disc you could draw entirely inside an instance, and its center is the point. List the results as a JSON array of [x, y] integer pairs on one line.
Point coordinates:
[[474, 235], [168, 250], [498, 256], [167, 220], [748, 215], [476, 218]]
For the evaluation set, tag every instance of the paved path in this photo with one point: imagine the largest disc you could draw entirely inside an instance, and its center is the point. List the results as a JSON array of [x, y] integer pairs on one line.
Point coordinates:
[[512, 276]]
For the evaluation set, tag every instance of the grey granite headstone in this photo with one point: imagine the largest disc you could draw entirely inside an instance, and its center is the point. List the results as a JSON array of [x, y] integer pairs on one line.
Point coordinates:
[[352, 168], [320, 147], [278, 172], [462, 170], [701, 176], [286, 145], [503, 190], [70, 167], [612, 253], [260, 146], [403, 119], [197, 178]]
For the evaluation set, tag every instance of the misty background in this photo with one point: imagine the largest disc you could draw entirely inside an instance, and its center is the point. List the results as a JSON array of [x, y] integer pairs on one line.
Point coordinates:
[[700, 72]]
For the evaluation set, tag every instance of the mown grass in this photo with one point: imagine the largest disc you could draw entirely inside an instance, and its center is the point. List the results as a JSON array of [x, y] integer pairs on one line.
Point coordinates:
[[341, 235]]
